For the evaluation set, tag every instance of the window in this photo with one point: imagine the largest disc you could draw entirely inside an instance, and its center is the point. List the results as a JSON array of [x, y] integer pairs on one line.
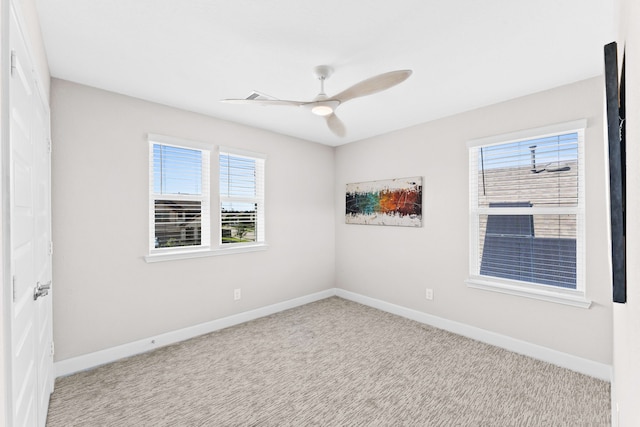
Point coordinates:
[[527, 213], [241, 198], [179, 196]]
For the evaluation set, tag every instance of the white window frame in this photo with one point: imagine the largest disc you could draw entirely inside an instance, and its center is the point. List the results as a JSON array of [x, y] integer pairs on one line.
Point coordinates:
[[210, 196], [574, 297], [204, 198], [258, 199]]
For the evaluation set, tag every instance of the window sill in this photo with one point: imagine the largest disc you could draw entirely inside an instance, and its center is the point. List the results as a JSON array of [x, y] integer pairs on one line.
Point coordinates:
[[560, 296], [172, 256]]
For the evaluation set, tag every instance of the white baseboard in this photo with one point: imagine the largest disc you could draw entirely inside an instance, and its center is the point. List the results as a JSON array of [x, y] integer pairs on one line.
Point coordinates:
[[578, 364], [91, 360], [574, 363]]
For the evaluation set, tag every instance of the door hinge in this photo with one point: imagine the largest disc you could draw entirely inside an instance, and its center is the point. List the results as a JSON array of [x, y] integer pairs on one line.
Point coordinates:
[[13, 61], [50, 248], [53, 349], [49, 145], [13, 288]]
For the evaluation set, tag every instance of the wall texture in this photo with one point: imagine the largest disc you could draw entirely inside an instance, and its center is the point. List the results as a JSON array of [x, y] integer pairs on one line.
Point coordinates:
[[396, 264], [105, 293], [626, 317]]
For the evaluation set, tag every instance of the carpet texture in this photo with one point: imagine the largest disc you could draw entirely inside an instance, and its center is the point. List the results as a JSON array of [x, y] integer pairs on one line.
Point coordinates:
[[330, 363]]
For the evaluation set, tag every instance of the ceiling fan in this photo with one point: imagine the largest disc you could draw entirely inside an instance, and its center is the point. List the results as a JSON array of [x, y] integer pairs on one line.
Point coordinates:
[[325, 106]]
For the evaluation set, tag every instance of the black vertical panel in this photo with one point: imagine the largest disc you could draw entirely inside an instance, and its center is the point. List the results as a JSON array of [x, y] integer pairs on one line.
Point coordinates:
[[616, 173]]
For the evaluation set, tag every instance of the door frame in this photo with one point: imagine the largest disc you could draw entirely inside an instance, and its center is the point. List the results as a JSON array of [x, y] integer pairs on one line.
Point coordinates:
[[5, 246]]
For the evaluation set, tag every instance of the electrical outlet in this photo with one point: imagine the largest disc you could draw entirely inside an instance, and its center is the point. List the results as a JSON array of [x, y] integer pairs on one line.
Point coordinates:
[[237, 294], [429, 294]]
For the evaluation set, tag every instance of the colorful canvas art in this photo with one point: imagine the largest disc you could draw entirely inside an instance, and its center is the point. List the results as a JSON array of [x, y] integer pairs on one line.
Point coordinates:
[[388, 202]]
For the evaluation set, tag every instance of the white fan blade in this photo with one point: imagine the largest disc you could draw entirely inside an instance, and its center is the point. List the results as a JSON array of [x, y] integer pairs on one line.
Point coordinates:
[[373, 85], [335, 125], [264, 102]]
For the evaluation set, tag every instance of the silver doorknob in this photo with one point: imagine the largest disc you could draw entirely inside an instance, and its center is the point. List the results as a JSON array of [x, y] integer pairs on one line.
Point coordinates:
[[41, 290]]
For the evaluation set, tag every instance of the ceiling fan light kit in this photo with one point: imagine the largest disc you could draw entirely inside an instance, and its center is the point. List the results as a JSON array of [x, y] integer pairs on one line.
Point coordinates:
[[321, 109], [325, 106]]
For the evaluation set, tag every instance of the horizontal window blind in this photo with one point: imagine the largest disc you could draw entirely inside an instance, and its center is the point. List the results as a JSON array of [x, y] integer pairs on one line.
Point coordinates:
[[241, 198], [526, 201], [178, 223], [179, 193], [177, 170], [530, 248], [543, 172]]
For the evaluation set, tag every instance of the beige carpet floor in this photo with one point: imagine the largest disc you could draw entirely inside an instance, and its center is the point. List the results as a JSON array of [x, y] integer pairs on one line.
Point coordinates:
[[330, 363]]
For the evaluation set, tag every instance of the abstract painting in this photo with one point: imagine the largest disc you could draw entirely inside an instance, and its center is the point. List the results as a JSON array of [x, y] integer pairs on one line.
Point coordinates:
[[387, 202]]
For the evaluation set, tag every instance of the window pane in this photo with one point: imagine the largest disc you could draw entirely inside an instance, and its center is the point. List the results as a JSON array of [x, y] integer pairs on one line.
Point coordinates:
[[238, 222], [531, 248], [176, 170], [237, 176], [542, 172], [178, 223]]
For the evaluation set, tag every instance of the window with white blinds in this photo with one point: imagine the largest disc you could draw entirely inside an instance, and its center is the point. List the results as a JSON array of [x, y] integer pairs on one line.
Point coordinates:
[[179, 196], [527, 210], [241, 198]]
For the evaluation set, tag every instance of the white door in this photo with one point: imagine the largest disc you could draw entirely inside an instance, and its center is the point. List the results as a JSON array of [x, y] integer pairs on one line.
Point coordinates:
[[43, 252], [31, 360]]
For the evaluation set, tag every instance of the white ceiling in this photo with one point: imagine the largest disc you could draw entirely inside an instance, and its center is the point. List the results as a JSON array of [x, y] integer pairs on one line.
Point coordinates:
[[192, 53]]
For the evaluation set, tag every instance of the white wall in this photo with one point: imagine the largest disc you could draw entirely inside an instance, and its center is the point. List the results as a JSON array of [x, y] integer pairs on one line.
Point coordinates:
[[626, 317], [105, 294], [396, 264]]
